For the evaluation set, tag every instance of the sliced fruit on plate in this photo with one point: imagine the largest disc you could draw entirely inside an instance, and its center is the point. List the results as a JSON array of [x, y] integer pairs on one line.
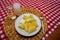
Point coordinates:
[[28, 24]]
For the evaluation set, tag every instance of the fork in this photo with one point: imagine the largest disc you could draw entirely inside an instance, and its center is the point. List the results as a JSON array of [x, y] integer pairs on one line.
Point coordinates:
[[42, 25]]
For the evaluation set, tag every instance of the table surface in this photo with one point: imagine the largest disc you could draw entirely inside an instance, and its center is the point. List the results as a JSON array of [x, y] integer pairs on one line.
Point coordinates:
[[55, 35]]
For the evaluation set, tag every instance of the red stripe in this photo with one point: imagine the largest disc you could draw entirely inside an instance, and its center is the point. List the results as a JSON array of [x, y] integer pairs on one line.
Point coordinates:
[[50, 9], [46, 4], [4, 2], [10, 2]]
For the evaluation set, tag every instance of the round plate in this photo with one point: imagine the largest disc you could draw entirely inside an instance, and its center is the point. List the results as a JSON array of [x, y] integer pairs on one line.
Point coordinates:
[[23, 32]]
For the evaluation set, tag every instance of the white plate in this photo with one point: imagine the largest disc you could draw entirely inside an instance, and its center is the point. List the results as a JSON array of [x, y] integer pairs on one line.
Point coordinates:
[[24, 33]]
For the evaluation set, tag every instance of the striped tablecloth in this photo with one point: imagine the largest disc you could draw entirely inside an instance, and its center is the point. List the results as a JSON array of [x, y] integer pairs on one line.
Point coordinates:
[[50, 9]]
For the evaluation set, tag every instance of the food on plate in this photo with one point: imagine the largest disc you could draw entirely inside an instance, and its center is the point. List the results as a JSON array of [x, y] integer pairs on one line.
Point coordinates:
[[28, 24]]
